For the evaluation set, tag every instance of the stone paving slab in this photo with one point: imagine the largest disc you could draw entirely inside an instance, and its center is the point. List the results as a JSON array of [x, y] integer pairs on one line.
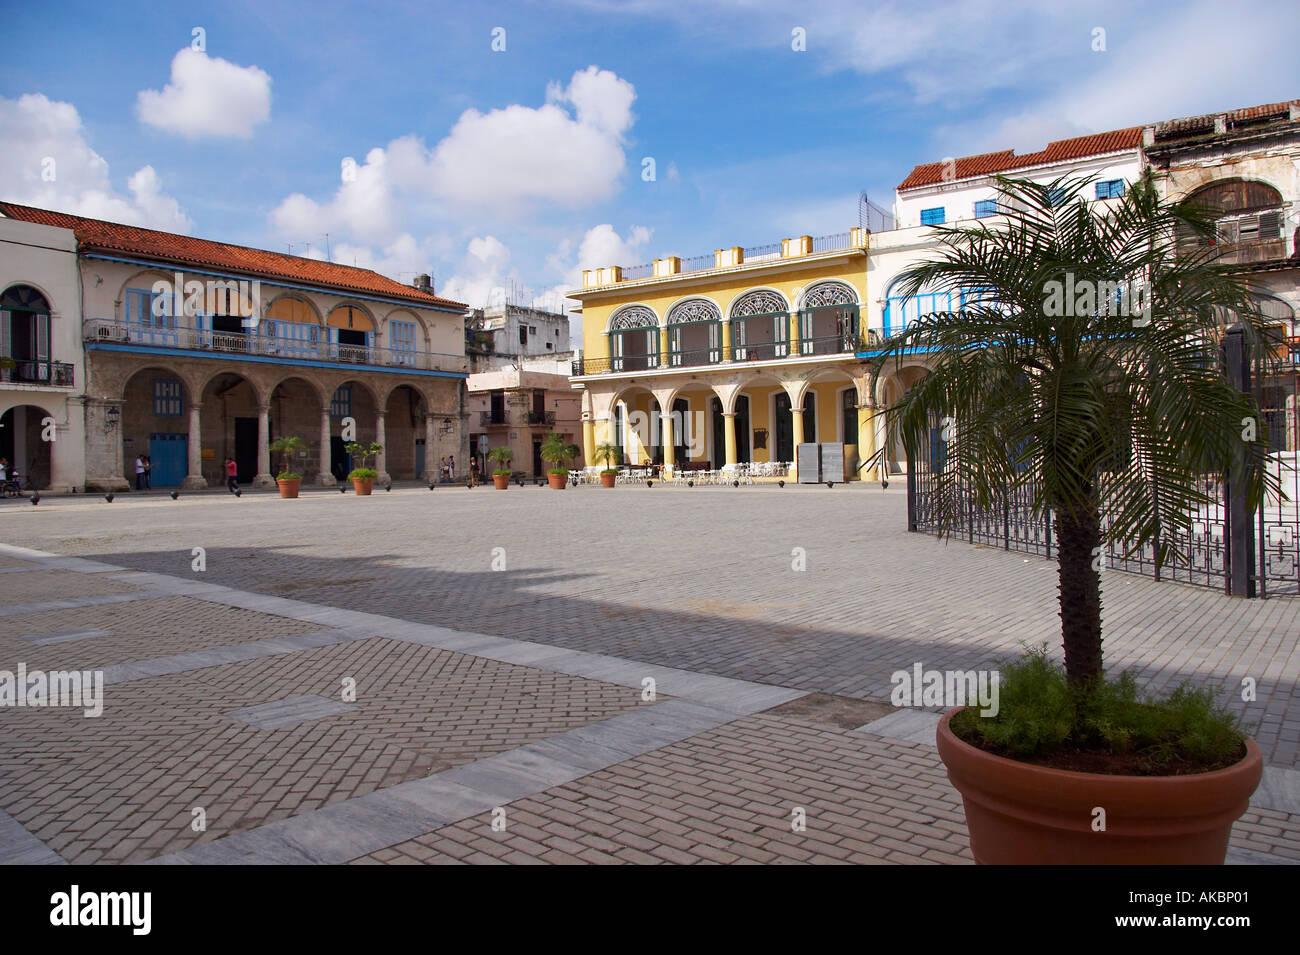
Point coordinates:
[[719, 598], [710, 772], [291, 711]]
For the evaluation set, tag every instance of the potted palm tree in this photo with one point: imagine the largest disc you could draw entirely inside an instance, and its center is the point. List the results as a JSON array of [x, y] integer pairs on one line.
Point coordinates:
[[1104, 416], [288, 481], [363, 477], [611, 454], [501, 474], [556, 452]]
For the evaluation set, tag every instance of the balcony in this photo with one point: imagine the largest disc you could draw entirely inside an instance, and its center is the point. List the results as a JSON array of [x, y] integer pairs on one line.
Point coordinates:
[[489, 418], [546, 418], [106, 331], [53, 374], [846, 343]]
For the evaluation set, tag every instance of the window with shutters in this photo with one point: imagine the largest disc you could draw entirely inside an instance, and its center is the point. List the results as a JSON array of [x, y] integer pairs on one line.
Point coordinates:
[[932, 216], [985, 208], [167, 398]]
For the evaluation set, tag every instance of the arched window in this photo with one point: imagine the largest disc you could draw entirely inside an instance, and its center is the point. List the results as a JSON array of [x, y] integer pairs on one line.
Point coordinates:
[[634, 339], [351, 333], [760, 326], [292, 327], [694, 333], [1249, 220], [903, 310], [25, 334], [828, 320]]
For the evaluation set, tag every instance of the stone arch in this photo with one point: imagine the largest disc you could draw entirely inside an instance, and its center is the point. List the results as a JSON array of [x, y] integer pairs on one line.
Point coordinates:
[[351, 316], [828, 292], [404, 314], [21, 441], [632, 316]]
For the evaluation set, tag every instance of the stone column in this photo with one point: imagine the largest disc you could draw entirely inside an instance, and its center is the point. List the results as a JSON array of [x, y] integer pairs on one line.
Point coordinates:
[[796, 430], [323, 476], [381, 459], [104, 446], [194, 480], [867, 439], [727, 351], [263, 477], [430, 461], [729, 428], [669, 439], [589, 441]]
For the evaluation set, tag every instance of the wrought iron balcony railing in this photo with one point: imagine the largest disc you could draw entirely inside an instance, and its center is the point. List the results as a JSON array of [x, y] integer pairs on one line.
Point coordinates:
[[540, 417], [486, 418], [58, 374], [846, 343], [288, 350]]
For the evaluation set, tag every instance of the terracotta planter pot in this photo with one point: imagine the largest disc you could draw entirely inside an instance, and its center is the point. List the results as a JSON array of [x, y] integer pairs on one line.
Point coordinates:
[[557, 481], [1021, 814], [289, 488], [363, 486], [607, 480], [501, 481]]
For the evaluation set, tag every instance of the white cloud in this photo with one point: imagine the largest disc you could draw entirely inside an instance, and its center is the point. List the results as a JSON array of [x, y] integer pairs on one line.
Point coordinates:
[[208, 96], [363, 209], [484, 276], [523, 157], [47, 163], [507, 162]]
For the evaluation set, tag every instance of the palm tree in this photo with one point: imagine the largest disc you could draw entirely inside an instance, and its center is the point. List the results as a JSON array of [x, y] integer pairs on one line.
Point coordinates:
[[1112, 405], [611, 454]]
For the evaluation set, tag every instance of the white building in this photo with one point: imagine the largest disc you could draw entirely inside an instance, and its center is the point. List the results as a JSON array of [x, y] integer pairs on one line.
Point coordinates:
[[42, 374]]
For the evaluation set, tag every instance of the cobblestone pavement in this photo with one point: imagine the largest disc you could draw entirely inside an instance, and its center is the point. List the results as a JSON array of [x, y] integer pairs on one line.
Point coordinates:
[[453, 727]]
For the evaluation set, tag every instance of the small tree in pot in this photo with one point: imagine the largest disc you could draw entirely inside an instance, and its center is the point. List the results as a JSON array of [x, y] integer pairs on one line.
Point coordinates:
[[1080, 374], [612, 455], [501, 474], [363, 477], [288, 481], [556, 452]]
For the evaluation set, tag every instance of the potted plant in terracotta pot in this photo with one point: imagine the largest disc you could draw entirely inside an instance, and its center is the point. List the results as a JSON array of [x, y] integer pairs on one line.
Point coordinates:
[[556, 452], [288, 481], [611, 454], [501, 474], [1103, 413], [363, 477]]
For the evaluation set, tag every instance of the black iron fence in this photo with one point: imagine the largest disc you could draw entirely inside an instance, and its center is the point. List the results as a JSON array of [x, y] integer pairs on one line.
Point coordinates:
[[1258, 557]]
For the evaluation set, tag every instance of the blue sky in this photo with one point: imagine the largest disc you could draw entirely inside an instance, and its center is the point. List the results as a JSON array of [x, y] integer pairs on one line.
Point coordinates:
[[752, 139]]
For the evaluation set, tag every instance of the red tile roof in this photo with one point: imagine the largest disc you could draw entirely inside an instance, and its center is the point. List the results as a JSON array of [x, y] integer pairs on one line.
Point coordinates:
[[98, 235], [927, 174], [1062, 150], [1195, 125]]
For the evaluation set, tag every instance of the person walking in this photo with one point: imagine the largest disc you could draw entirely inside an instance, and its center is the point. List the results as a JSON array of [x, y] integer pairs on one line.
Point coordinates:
[[232, 481], [451, 467], [148, 473], [139, 473], [473, 470]]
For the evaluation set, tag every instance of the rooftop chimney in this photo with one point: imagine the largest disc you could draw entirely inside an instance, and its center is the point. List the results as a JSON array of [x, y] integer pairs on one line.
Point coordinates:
[[424, 283]]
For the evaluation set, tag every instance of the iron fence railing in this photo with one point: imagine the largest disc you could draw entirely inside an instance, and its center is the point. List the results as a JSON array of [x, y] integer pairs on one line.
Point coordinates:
[[57, 374], [113, 331], [540, 417], [638, 271], [830, 243], [1258, 557]]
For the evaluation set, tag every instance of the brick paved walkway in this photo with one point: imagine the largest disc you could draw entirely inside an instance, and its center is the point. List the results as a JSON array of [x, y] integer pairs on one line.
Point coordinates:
[[765, 676]]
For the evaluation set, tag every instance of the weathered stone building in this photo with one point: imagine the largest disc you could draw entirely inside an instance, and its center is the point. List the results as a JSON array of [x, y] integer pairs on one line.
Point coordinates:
[[197, 351]]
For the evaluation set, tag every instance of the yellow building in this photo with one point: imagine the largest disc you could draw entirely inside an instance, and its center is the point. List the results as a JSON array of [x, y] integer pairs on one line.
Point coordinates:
[[731, 360]]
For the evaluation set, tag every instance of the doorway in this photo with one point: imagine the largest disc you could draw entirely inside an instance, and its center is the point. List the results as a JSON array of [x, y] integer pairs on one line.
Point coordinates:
[[245, 450]]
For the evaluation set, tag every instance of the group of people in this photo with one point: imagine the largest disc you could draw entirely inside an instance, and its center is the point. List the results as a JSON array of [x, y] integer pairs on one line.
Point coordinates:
[[8, 475]]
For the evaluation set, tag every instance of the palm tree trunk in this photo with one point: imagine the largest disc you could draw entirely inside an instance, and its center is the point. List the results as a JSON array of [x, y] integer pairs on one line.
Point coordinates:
[[1078, 535]]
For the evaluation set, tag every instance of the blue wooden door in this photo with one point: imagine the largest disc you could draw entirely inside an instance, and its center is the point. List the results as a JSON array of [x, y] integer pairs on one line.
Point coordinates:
[[168, 452]]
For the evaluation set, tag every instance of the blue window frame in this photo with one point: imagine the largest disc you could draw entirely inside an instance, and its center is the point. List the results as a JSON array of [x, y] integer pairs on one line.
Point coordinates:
[[146, 307], [985, 208], [1110, 189], [341, 403], [932, 216], [167, 398], [1056, 197]]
